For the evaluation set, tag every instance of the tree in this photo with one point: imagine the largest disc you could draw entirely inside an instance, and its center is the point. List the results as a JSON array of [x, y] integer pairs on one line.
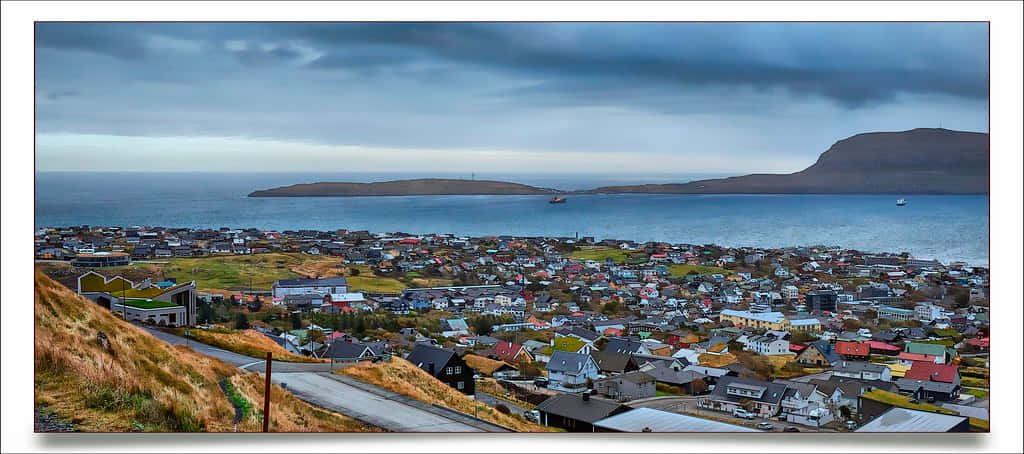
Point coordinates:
[[296, 320], [316, 336], [241, 321], [483, 325], [851, 324]]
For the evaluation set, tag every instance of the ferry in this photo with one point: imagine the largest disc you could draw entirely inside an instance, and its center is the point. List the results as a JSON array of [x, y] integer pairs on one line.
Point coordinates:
[[901, 202], [557, 199]]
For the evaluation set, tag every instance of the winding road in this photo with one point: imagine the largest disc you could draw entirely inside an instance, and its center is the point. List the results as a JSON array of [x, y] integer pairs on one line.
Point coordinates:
[[315, 384]]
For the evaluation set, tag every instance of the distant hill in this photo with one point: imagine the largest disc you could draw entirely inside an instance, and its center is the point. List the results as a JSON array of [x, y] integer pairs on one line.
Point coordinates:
[[425, 186], [934, 161]]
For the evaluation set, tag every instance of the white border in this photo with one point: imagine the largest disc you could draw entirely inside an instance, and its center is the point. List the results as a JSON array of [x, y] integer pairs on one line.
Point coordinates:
[[17, 220]]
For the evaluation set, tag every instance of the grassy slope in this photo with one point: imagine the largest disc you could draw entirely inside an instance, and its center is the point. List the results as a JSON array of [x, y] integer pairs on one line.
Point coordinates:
[[247, 342], [599, 253], [403, 377], [683, 270], [140, 383], [234, 271]]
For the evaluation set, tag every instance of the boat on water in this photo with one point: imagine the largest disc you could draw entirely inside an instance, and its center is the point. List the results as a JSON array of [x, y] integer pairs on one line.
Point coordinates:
[[901, 202], [557, 199]]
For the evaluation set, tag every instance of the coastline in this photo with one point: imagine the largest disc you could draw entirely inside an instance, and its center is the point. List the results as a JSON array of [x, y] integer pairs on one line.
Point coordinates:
[[477, 238]]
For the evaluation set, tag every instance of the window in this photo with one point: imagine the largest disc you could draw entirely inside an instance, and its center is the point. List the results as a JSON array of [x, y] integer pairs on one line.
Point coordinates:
[[448, 371], [458, 370], [459, 385]]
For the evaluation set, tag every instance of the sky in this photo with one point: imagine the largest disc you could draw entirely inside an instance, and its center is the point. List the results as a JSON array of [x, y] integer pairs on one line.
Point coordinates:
[[601, 98]]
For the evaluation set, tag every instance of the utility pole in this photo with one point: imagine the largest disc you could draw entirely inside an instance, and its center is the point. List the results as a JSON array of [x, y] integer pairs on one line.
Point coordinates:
[[266, 396], [124, 308]]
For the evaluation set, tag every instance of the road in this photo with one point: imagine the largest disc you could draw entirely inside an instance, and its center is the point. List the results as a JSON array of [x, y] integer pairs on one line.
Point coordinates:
[[314, 383], [494, 401]]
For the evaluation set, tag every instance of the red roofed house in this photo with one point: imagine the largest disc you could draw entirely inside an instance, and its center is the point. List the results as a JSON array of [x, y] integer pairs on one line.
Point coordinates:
[[908, 359], [944, 373], [797, 348], [409, 241], [883, 348], [510, 353], [853, 350], [979, 342]]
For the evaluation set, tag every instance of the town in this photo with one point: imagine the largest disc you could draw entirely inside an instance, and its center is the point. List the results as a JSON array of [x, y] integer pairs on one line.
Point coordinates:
[[575, 333]]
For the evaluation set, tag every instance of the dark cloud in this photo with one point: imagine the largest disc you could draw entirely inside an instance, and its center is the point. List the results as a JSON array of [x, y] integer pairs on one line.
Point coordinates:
[[102, 39], [767, 89]]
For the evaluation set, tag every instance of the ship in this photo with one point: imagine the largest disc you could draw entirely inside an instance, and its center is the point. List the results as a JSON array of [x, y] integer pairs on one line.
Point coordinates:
[[557, 199], [901, 202]]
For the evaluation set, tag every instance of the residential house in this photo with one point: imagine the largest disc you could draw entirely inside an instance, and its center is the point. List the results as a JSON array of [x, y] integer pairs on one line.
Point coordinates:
[[818, 353], [444, 365], [576, 413], [757, 396], [853, 351], [862, 371], [571, 371], [627, 386]]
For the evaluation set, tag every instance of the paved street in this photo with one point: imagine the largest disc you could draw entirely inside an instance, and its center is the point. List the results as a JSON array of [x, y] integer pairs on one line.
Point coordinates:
[[323, 391], [315, 384]]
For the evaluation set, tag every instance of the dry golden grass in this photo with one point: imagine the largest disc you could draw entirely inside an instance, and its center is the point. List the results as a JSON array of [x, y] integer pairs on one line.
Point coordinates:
[[404, 378], [320, 268], [707, 360], [288, 413], [246, 342], [136, 382]]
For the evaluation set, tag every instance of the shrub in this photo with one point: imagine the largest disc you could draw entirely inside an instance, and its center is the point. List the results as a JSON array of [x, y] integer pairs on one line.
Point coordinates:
[[502, 409]]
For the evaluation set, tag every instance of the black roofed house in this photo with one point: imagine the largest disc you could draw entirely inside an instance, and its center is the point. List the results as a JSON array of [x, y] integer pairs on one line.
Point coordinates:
[[444, 365], [627, 346], [614, 363], [688, 381], [576, 413], [332, 285], [628, 386], [760, 397], [344, 350]]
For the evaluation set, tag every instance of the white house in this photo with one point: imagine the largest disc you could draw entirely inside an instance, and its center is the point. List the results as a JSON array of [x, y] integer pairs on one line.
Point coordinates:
[[571, 370], [767, 345]]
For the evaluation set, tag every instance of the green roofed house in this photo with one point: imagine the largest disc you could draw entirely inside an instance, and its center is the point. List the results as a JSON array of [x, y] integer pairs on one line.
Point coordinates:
[[936, 350], [163, 305]]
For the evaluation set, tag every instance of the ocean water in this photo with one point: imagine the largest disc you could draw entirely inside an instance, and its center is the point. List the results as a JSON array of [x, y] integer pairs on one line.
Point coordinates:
[[941, 226]]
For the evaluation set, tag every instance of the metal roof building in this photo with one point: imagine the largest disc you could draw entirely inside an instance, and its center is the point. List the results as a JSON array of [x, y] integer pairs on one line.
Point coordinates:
[[906, 420], [651, 420]]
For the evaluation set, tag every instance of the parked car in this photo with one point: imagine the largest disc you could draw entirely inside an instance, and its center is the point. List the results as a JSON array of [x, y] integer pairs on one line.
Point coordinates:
[[540, 382], [741, 413], [532, 415], [790, 429], [851, 424], [765, 426]]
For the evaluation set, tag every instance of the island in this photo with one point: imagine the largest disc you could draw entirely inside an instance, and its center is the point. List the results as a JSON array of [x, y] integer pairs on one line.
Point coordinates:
[[918, 161], [423, 186]]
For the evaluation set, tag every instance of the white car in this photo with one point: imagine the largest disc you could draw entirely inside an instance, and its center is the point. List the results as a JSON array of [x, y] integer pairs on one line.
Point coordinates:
[[741, 413]]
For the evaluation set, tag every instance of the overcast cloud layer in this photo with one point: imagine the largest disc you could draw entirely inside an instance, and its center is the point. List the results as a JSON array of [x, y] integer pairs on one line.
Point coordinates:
[[635, 97]]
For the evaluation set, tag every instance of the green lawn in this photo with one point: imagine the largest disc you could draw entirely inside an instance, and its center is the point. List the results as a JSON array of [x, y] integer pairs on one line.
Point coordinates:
[[979, 393], [234, 271], [599, 253], [375, 284], [683, 270], [147, 304]]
